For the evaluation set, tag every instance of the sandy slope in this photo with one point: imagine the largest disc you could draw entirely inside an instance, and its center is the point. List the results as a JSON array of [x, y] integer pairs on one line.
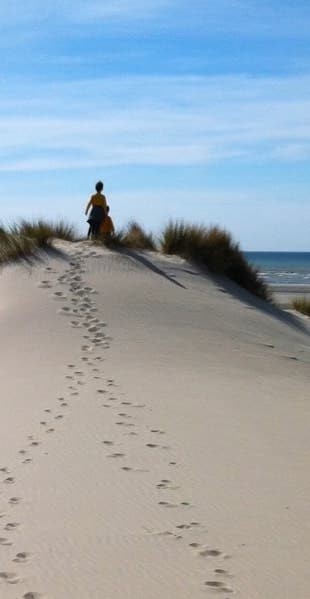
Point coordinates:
[[163, 456]]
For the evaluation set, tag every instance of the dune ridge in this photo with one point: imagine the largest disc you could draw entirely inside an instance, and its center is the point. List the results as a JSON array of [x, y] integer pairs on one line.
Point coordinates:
[[154, 437]]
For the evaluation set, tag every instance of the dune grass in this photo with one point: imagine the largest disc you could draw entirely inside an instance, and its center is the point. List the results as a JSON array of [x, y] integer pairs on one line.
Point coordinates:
[[211, 247], [14, 247], [137, 238], [133, 237], [215, 249], [43, 231], [302, 305], [23, 238]]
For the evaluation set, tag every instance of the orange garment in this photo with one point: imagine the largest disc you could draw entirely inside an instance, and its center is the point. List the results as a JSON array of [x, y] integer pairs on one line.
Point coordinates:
[[98, 199], [107, 226]]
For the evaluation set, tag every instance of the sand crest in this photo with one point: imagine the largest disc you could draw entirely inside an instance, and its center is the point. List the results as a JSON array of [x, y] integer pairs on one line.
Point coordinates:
[[154, 433]]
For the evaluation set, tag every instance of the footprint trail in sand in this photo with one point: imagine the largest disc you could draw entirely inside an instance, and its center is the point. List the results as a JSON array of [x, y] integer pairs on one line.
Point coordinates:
[[78, 305]]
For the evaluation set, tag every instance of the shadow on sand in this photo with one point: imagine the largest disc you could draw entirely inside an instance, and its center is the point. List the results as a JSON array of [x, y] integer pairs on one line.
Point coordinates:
[[224, 285], [252, 302], [142, 259]]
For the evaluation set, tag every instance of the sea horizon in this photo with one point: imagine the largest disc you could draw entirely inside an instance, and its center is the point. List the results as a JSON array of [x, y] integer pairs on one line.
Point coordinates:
[[282, 268]]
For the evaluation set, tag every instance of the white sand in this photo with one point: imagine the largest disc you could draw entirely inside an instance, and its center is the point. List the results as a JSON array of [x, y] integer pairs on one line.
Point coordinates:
[[284, 295], [205, 411]]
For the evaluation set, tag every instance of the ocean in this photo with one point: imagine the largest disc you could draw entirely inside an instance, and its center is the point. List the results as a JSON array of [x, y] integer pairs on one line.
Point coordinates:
[[282, 268]]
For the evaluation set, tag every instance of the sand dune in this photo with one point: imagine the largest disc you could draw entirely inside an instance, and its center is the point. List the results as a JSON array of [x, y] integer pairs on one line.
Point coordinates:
[[154, 433]]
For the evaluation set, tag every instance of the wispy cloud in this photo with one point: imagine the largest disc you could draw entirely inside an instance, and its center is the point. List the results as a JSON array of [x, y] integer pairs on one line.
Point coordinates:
[[279, 18], [155, 121]]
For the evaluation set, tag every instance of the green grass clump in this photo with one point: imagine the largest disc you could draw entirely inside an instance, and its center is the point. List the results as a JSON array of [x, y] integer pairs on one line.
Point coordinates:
[[215, 249], [302, 305]]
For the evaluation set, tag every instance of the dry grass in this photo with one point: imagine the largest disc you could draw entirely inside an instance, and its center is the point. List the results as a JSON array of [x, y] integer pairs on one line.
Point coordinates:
[[14, 247], [133, 236], [43, 232], [215, 249], [136, 238], [22, 239], [302, 305]]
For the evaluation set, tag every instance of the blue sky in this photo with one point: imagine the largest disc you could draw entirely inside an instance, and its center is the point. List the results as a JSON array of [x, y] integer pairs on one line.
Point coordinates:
[[197, 110]]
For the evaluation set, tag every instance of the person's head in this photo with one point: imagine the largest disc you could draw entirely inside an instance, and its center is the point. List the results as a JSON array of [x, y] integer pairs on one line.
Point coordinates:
[[108, 209], [99, 186]]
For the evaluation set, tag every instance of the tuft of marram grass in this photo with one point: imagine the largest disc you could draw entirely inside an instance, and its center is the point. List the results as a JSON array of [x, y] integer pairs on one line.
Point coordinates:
[[14, 247], [215, 249], [43, 231], [135, 237], [21, 239], [302, 305]]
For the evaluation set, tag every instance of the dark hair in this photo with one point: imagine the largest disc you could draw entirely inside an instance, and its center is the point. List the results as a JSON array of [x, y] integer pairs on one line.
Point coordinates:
[[99, 186]]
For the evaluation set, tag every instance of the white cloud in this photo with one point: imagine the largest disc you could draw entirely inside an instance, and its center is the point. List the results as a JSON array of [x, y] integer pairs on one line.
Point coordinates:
[[248, 17], [155, 121]]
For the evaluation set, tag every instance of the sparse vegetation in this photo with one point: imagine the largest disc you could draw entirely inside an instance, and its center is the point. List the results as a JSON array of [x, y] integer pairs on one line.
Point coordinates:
[[133, 236], [42, 231], [210, 247], [302, 305], [215, 249], [21, 239]]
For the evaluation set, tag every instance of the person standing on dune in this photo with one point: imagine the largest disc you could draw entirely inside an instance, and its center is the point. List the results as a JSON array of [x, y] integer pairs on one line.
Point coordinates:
[[98, 205]]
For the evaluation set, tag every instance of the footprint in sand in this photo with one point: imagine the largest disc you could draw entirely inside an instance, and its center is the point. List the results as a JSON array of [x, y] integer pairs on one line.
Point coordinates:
[[221, 571], [21, 557], [45, 284], [129, 469], [34, 443], [65, 310], [50, 430], [116, 455], [108, 442], [152, 445], [167, 504], [59, 417], [10, 526], [4, 469], [59, 295], [210, 552], [5, 542], [27, 461], [32, 595], [14, 500], [218, 586], [9, 577]]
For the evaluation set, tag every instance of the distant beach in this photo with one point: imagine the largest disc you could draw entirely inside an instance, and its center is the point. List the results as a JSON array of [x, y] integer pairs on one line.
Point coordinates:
[[287, 273]]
